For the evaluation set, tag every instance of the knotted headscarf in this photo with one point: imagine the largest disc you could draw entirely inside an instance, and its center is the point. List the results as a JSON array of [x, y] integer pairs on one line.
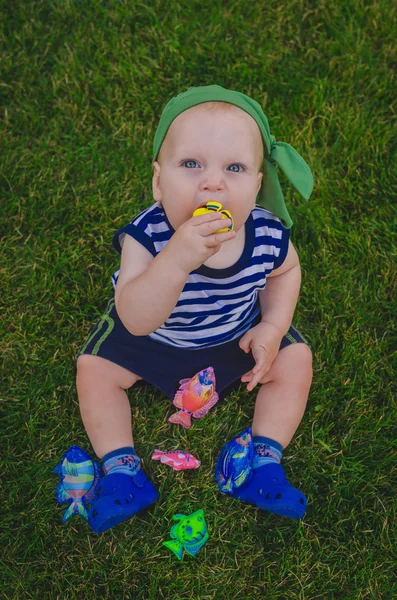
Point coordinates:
[[270, 195]]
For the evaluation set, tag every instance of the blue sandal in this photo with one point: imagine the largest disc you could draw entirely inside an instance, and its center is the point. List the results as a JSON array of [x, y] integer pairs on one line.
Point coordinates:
[[270, 490], [120, 497]]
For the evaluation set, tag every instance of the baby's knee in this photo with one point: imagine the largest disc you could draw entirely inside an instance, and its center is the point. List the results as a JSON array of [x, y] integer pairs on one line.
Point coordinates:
[[94, 370], [305, 356], [292, 363], [302, 365]]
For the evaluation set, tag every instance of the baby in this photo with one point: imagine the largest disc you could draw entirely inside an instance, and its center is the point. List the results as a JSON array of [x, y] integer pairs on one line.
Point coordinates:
[[188, 296]]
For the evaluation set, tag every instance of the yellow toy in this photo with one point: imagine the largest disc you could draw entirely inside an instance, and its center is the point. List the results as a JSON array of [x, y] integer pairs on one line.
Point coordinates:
[[213, 206]]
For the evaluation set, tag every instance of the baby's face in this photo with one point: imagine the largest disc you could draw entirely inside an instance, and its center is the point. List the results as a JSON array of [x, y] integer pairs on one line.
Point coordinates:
[[207, 155]]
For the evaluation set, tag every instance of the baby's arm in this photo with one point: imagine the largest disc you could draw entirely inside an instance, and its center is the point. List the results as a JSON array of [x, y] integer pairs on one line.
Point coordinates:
[[278, 299], [148, 288]]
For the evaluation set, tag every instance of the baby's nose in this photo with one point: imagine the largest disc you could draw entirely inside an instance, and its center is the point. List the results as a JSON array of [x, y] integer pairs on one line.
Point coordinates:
[[212, 181]]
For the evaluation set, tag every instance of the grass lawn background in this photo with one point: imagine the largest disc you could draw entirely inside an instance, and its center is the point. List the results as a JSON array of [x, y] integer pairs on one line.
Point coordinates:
[[82, 87]]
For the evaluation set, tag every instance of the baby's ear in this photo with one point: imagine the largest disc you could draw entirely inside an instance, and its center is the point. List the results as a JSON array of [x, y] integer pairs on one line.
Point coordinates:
[[156, 182], [260, 176]]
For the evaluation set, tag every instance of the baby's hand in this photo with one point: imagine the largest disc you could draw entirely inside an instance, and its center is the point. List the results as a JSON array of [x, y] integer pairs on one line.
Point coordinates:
[[196, 240], [264, 341]]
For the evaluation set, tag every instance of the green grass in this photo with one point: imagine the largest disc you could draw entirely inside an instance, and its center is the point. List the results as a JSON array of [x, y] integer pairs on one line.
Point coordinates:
[[83, 84]]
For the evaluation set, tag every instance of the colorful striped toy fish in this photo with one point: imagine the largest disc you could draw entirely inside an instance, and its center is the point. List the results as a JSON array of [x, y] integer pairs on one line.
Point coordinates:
[[79, 481], [195, 397]]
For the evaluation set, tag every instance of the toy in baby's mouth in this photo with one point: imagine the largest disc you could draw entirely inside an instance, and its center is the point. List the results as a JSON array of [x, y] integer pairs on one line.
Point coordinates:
[[195, 397], [79, 482], [213, 206]]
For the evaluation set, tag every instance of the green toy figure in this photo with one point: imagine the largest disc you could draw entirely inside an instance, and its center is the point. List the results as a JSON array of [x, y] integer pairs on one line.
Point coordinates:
[[189, 534]]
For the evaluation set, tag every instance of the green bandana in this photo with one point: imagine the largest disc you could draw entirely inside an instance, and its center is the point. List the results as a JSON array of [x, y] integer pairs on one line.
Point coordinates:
[[285, 156]]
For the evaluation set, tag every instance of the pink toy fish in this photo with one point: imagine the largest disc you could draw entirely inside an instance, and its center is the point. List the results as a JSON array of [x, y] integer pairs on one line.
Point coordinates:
[[177, 459], [195, 397]]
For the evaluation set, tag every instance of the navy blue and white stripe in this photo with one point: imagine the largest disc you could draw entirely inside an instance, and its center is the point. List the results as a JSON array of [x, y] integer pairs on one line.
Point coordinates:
[[216, 305]]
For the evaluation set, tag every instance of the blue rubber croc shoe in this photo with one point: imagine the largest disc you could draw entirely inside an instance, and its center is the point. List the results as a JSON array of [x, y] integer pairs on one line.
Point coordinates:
[[270, 490], [120, 497]]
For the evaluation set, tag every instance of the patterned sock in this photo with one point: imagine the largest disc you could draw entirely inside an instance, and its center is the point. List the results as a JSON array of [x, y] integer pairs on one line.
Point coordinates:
[[265, 451], [123, 460]]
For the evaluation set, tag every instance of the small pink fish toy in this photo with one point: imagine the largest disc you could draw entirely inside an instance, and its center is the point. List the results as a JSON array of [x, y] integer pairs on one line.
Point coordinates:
[[177, 459], [195, 397]]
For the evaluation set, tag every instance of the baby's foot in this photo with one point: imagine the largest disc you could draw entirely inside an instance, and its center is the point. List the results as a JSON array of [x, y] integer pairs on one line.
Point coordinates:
[[120, 497], [270, 490]]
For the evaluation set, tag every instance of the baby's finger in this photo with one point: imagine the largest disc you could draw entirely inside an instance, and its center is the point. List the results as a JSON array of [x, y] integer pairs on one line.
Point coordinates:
[[211, 227], [219, 238], [254, 381], [260, 366], [246, 377], [260, 359], [201, 220]]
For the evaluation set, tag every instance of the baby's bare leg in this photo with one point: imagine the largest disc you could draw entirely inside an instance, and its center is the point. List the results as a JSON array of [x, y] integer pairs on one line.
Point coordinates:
[[282, 399], [104, 405]]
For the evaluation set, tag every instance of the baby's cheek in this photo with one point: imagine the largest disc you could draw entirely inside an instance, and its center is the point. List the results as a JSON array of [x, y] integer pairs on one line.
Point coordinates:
[[179, 219], [238, 220]]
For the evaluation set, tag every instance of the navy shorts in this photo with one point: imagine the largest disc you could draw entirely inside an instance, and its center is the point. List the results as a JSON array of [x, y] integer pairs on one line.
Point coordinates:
[[164, 366]]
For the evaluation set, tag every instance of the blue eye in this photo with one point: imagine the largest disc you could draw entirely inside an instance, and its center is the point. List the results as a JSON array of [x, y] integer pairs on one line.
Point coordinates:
[[189, 164], [236, 168]]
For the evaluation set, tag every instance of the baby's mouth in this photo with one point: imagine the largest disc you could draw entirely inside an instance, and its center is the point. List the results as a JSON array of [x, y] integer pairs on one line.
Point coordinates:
[[204, 204]]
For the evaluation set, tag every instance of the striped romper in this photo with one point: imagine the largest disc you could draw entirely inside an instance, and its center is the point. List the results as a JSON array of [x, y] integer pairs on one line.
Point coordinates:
[[215, 309]]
